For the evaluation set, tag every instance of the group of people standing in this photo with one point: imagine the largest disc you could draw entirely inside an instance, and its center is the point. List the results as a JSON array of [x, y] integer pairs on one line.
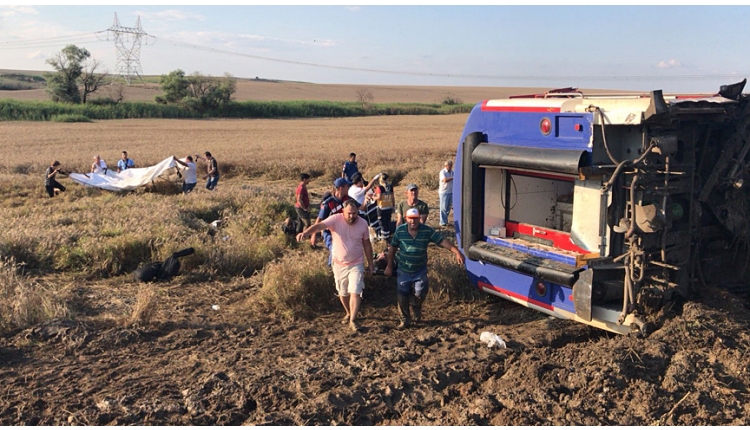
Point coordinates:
[[344, 218], [190, 175], [99, 166]]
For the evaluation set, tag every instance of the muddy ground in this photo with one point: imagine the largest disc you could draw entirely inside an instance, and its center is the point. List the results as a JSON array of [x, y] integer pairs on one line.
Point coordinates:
[[235, 366]]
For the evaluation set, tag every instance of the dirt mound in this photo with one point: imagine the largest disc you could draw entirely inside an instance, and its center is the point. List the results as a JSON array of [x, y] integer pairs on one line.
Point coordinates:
[[235, 367]]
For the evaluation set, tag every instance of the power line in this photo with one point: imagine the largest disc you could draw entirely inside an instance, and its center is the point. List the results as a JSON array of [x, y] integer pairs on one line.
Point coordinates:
[[458, 75], [45, 42], [48, 41]]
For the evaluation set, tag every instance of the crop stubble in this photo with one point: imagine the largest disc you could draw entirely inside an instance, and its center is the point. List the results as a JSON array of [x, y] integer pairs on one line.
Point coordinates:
[[252, 145]]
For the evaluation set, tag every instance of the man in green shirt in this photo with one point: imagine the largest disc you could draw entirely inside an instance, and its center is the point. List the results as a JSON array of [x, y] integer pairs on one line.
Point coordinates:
[[411, 241], [412, 201]]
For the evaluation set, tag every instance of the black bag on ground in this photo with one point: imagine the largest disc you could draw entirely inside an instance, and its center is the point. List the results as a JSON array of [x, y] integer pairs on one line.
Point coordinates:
[[147, 272], [168, 268], [162, 271]]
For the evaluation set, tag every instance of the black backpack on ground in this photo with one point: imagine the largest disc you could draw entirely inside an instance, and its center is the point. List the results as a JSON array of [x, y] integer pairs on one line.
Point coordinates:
[[162, 271]]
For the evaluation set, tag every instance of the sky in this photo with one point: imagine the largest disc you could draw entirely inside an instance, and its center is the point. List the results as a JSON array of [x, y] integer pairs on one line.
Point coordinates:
[[673, 48]]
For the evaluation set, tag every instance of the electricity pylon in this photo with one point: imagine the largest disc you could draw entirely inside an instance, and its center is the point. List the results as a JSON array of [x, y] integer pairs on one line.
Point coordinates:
[[128, 44]]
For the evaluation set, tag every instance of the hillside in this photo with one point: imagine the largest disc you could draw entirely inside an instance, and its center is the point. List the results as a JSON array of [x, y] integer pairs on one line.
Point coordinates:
[[267, 90]]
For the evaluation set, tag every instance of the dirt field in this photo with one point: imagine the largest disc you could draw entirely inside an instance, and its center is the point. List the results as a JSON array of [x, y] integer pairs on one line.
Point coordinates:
[[237, 364], [209, 367]]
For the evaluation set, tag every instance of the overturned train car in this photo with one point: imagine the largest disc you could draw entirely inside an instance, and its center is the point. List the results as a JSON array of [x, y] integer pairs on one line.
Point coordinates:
[[600, 208]]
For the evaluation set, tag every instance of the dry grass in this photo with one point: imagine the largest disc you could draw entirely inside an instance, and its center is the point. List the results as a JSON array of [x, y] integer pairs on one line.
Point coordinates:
[[97, 234], [145, 307], [24, 301], [268, 149], [298, 286]]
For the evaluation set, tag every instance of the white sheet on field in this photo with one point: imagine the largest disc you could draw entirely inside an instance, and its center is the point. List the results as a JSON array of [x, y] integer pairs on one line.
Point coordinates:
[[126, 180]]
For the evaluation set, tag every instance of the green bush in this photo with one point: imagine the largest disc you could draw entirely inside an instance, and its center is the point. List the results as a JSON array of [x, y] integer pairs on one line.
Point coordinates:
[[452, 100], [16, 110], [70, 118]]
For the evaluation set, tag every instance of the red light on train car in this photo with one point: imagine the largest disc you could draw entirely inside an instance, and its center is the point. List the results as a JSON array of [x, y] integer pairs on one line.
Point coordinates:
[[541, 289], [545, 126], [578, 127]]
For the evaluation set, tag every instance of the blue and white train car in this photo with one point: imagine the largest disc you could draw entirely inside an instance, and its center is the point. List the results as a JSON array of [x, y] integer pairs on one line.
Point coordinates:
[[589, 207]]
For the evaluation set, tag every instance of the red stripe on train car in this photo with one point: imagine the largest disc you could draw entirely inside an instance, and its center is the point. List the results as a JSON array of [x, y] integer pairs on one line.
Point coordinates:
[[559, 239]]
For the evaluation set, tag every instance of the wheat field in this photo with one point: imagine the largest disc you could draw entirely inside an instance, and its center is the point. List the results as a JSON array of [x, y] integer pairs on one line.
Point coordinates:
[[276, 149], [92, 234]]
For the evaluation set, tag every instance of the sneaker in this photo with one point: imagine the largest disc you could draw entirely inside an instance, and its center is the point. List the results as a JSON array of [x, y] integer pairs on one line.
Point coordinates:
[[353, 326], [403, 325], [345, 320]]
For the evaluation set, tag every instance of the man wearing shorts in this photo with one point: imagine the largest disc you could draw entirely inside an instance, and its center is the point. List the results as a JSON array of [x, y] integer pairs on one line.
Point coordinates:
[[350, 247]]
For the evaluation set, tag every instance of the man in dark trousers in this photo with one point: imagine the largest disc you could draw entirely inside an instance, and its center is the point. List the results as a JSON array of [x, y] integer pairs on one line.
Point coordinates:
[[302, 203], [411, 240], [50, 183], [212, 170]]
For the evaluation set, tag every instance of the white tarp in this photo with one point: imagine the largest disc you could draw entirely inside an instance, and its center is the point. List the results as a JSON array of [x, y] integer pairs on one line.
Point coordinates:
[[126, 180]]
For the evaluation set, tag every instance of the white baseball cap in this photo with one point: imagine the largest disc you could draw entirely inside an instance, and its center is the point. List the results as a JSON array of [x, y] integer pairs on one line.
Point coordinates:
[[412, 213]]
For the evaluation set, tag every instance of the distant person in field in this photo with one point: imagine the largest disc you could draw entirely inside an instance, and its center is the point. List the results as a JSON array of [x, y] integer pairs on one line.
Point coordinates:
[[190, 176], [302, 203], [411, 240], [125, 163], [333, 205], [212, 170], [350, 167], [445, 192], [99, 166], [350, 248], [386, 202], [50, 180], [412, 201]]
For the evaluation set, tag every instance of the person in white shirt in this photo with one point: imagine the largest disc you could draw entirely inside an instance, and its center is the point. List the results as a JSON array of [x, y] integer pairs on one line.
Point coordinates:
[[445, 191], [99, 165], [358, 191], [190, 175]]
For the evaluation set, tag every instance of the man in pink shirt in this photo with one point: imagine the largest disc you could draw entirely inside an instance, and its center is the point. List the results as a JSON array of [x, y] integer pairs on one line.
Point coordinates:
[[350, 247]]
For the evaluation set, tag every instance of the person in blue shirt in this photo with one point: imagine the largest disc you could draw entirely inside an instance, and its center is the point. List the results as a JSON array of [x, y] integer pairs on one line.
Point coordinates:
[[332, 205], [350, 167], [125, 163]]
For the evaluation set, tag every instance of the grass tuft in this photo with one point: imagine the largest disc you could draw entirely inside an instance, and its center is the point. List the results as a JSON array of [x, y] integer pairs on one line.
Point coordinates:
[[145, 308], [298, 286], [24, 302]]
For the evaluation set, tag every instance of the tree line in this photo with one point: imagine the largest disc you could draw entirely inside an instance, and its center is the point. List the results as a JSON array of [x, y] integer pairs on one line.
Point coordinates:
[[77, 75]]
